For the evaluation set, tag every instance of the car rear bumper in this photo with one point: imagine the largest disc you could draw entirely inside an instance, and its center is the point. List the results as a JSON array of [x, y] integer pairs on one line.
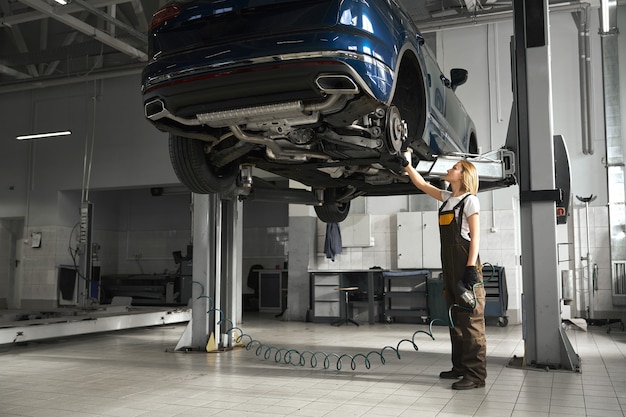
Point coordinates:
[[264, 81]]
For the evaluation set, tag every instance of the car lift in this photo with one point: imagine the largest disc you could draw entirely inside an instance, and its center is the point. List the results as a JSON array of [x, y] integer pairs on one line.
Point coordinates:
[[546, 343], [493, 166], [217, 245]]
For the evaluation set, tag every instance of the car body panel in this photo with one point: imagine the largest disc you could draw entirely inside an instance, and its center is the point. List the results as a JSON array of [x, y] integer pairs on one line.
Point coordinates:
[[326, 92]]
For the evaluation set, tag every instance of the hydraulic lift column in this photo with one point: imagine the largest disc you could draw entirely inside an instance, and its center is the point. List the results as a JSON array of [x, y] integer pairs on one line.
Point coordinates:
[[546, 344], [217, 242]]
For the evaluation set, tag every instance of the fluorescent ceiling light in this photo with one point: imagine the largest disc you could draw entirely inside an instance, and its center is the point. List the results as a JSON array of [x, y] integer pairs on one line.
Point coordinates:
[[61, 2], [44, 135]]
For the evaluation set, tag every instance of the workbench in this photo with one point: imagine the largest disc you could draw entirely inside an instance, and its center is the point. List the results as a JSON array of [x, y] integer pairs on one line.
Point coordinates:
[[327, 303]]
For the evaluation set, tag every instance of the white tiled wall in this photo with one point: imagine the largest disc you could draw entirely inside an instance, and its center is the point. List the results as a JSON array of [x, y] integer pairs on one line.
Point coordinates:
[[600, 250], [39, 265], [499, 246], [266, 246], [382, 254], [146, 251]]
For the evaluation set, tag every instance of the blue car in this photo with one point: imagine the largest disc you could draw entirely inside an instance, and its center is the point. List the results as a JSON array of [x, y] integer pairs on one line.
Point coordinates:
[[325, 92]]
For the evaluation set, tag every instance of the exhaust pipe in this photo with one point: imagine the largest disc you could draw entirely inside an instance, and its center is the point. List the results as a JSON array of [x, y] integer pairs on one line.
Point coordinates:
[[274, 150], [155, 110], [336, 84]]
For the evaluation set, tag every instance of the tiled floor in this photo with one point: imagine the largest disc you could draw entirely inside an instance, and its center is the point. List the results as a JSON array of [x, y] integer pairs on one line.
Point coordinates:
[[134, 373]]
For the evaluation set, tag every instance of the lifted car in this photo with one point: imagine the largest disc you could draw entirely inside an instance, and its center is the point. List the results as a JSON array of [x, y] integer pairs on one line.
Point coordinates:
[[324, 92]]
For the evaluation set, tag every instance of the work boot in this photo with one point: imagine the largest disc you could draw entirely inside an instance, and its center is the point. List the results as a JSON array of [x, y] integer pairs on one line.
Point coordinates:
[[452, 374], [467, 384]]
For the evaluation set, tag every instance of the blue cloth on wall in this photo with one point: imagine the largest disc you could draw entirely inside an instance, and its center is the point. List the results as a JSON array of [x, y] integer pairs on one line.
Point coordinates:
[[332, 244]]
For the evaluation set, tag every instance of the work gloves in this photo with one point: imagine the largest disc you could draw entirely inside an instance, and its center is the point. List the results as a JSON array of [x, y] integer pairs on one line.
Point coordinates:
[[465, 287], [404, 159], [470, 277]]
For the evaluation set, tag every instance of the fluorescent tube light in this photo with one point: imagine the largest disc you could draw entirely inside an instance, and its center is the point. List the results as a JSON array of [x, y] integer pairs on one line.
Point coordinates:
[[61, 2], [44, 135]]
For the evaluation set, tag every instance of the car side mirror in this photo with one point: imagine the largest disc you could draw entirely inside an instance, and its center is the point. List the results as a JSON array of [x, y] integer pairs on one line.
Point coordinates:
[[458, 76]]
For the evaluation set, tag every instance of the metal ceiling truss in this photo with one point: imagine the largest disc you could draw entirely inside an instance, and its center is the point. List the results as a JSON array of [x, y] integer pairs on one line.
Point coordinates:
[[57, 13], [74, 51]]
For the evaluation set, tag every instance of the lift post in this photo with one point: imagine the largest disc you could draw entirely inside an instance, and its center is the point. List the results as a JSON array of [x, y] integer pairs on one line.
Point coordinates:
[[546, 344], [217, 243]]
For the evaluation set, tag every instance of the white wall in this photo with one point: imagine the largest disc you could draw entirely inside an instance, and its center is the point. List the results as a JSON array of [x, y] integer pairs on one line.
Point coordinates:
[[127, 153]]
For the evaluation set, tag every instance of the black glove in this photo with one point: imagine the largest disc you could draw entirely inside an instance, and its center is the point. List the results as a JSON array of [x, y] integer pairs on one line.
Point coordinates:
[[470, 277], [402, 161]]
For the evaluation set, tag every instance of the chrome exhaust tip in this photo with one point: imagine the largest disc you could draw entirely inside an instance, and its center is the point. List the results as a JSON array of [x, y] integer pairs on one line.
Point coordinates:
[[336, 84], [155, 110]]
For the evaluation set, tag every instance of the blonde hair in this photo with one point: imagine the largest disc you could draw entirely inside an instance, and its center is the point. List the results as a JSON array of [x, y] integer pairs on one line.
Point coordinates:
[[470, 177]]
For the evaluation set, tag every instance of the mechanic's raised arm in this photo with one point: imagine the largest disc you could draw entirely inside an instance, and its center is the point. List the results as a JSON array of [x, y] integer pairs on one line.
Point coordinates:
[[421, 183]]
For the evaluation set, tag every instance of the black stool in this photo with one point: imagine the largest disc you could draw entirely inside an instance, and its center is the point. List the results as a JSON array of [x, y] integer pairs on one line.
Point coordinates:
[[346, 319]]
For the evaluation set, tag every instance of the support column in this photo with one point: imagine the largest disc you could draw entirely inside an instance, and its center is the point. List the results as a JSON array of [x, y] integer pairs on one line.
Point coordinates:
[[231, 274], [546, 344], [216, 296], [205, 244]]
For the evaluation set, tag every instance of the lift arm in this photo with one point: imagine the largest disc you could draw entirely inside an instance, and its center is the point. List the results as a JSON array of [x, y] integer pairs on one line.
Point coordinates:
[[493, 167]]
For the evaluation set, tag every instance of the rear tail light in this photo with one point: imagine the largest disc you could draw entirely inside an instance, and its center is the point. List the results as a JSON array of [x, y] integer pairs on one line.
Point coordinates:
[[163, 15]]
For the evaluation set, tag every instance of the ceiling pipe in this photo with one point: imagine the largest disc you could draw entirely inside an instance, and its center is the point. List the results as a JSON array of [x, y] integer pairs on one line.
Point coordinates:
[[581, 18]]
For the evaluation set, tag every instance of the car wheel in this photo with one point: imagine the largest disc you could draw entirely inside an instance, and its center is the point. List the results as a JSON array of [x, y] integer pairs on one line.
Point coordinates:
[[332, 211], [407, 115], [192, 167]]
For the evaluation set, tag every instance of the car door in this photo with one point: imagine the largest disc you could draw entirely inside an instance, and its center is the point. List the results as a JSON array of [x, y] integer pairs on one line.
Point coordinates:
[[435, 134], [457, 123]]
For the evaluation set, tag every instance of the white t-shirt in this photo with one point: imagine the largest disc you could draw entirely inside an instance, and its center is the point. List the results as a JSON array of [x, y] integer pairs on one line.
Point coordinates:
[[472, 206]]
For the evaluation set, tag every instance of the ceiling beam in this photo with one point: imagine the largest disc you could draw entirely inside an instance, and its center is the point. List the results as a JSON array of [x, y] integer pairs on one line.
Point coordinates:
[[88, 30], [65, 80], [117, 23], [18, 39], [141, 15], [69, 39], [13, 73], [24, 17]]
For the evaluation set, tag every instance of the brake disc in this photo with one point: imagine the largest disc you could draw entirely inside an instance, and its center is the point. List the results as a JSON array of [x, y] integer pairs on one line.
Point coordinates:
[[397, 130]]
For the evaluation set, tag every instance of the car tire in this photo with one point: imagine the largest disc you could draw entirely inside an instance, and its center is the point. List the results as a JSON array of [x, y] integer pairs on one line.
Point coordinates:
[[192, 167], [332, 211]]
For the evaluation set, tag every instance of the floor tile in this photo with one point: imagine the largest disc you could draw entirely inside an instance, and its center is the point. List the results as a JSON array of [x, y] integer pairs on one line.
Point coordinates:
[[131, 373]]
